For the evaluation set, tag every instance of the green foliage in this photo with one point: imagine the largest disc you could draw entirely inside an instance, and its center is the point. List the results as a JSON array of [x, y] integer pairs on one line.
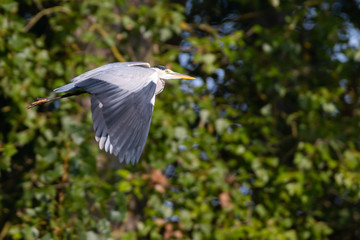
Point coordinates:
[[264, 144]]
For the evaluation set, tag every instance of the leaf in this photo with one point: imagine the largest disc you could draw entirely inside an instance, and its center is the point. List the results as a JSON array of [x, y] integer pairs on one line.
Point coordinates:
[[124, 186], [221, 125]]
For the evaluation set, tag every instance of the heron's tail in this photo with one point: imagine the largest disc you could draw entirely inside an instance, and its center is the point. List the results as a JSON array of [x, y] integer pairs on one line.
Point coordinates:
[[65, 88]]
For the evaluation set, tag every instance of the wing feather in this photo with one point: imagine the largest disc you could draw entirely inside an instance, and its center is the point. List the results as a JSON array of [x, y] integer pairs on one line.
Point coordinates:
[[121, 116], [117, 66]]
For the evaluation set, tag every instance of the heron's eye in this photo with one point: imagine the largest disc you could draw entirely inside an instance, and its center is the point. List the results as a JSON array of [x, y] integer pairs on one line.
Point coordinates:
[[167, 71]]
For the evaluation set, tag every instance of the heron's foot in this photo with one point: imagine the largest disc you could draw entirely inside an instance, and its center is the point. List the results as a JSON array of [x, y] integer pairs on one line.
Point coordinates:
[[39, 102]]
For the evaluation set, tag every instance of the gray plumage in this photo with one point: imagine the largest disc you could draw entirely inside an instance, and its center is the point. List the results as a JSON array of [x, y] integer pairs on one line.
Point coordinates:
[[122, 103]]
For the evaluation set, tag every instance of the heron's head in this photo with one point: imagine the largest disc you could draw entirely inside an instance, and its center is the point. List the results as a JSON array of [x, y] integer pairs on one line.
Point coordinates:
[[165, 73]]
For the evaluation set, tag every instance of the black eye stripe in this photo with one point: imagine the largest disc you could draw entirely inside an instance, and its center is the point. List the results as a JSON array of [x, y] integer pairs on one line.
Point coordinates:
[[160, 67]]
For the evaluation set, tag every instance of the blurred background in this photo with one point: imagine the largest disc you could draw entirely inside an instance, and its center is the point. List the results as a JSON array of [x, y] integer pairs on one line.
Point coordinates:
[[263, 144]]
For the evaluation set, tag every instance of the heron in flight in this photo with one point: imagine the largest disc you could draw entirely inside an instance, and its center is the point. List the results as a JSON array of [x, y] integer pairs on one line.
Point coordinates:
[[122, 103]]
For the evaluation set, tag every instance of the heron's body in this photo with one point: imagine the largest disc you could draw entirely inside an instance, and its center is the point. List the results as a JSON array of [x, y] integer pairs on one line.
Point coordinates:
[[122, 103]]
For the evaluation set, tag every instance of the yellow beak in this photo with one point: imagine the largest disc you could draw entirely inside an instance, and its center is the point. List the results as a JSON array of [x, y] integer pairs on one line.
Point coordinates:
[[182, 76]]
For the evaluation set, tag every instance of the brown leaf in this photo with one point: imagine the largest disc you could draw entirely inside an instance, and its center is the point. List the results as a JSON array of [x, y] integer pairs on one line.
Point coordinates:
[[168, 231], [159, 222], [158, 177], [225, 200], [178, 234], [230, 178], [144, 176], [159, 188]]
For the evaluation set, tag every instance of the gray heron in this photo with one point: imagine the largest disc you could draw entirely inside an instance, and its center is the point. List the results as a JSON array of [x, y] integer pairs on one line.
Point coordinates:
[[122, 103]]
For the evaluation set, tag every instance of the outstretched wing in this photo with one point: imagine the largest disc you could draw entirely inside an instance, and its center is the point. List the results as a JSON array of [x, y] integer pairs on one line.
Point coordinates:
[[118, 66], [111, 66], [122, 106]]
